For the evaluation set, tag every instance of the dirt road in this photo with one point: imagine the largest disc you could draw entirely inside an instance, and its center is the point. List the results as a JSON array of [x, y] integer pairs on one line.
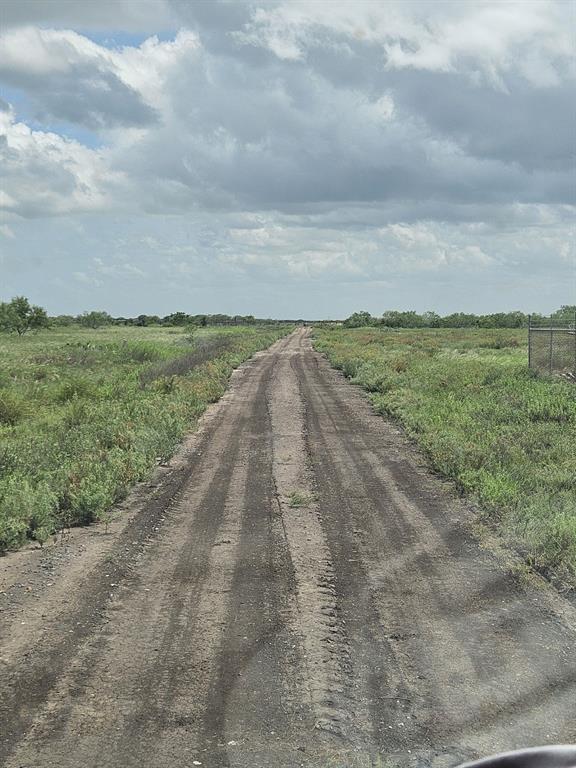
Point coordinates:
[[296, 590]]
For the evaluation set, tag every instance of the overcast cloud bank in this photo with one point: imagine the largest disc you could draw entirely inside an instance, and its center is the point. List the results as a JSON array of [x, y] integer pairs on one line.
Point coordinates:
[[299, 158]]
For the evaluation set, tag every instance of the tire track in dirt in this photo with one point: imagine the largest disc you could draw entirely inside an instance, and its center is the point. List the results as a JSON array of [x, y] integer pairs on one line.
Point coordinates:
[[469, 645], [193, 627], [319, 625], [345, 499], [256, 691]]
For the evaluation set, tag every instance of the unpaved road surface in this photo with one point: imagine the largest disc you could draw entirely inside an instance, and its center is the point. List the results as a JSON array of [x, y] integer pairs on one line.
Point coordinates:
[[295, 590]]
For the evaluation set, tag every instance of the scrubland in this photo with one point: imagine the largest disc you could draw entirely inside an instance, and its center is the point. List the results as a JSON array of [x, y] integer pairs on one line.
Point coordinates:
[[86, 413], [506, 437]]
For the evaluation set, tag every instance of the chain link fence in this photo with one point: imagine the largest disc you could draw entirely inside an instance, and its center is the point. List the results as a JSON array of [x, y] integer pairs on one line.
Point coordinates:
[[552, 347]]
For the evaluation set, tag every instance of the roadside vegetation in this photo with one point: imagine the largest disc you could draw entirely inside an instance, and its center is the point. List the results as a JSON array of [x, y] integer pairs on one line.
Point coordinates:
[[86, 412], [505, 437], [566, 315]]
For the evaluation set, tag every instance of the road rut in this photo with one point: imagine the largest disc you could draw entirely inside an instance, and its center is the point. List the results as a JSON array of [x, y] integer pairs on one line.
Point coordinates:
[[297, 590]]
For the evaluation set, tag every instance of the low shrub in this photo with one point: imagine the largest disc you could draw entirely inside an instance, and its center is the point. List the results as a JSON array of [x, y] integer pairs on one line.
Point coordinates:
[[13, 408], [74, 388], [25, 510]]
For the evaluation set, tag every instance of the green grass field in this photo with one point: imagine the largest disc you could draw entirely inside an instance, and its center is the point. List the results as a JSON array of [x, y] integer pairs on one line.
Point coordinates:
[[84, 414], [506, 437]]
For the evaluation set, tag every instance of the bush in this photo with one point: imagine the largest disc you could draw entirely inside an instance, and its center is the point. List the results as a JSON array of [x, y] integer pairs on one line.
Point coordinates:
[[74, 389], [139, 352], [13, 408], [25, 510]]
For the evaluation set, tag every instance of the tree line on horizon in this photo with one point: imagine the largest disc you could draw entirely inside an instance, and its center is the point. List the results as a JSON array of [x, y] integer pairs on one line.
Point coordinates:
[[19, 316], [566, 315], [96, 319]]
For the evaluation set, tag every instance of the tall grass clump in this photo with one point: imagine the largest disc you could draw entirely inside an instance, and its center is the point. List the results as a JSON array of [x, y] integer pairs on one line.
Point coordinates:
[[504, 436], [13, 408]]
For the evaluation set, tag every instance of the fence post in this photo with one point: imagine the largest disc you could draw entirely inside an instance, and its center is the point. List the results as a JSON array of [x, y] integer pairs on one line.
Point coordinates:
[[551, 348], [529, 341]]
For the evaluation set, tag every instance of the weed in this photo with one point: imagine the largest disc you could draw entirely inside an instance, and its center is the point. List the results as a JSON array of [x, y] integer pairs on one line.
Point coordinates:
[[13, 408], [72, 389], [300, 499]]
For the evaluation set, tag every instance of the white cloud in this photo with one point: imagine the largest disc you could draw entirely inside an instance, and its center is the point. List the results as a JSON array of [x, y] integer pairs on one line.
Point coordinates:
[[118, 268], [149, 67], [411, 236], [85, 279], [189, 127], [484, 37], [495, 37], [48, 174], [71, 78]]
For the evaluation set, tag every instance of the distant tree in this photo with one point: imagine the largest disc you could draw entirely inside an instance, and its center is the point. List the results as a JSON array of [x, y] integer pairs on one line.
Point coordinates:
[[359, 320], [460, 320], [395, 319], [19, 316], [517, 319], [220, 319], [62, 320], [94, 319], [565, 315], [176, 318], [503, 320], [431, 319], [201, 320], [145, 320], [538, 319]]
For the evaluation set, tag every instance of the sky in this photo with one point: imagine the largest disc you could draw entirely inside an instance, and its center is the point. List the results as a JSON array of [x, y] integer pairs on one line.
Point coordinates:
[[288, 158]]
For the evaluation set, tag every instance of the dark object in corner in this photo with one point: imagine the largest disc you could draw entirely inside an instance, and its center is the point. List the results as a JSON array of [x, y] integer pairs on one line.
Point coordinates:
[[538, 757]]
